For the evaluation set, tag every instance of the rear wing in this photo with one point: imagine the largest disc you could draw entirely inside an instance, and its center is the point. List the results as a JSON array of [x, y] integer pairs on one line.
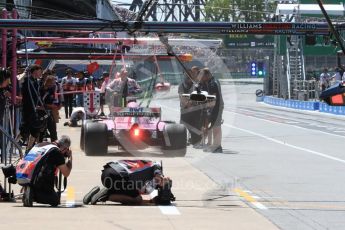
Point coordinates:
[[201, 97], [136, 112]]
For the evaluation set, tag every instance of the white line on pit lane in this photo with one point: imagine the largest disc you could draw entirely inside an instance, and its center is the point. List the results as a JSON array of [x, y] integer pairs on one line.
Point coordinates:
[[167, 209], [286, 144], [262, 119], [266, 197], [292, 122], [65, 193], [259, 205], [282, 123], [277, 141]]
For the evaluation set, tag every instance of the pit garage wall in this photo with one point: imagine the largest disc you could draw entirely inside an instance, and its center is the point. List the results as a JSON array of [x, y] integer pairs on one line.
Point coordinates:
[[304, 105]]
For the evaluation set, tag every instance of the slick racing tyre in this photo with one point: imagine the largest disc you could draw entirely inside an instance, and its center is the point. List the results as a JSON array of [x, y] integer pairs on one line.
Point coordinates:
[[175, 140], [95, 138], [27, 197], [82, 136]]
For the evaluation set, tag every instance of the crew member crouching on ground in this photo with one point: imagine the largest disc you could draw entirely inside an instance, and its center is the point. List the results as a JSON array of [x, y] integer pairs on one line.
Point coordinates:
[[41, 187], [125, 180], [78, 114]]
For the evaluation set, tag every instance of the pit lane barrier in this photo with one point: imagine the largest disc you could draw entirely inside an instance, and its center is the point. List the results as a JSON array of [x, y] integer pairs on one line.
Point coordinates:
[[338, 110], [294, 104], [305, 105]]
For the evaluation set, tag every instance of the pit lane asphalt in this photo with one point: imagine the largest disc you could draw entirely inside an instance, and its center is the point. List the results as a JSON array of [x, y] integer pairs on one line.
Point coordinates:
[[202, 202], [281, 169], [287, 163]]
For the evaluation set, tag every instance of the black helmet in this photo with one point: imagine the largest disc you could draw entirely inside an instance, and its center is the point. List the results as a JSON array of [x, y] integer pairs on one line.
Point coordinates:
[[105, 73]]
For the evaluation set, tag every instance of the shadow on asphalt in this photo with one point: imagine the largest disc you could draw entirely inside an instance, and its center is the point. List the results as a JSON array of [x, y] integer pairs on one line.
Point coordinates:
[[136, 153], [63, 205]]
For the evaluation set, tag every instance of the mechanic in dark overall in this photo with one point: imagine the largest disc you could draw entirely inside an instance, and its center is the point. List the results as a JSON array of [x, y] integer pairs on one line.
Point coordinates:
[[215, 120], [125, 180], [190, 111], [43, 186]]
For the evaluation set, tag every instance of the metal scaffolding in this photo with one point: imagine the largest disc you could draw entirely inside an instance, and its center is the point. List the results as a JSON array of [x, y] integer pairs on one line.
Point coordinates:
[[174, 10]]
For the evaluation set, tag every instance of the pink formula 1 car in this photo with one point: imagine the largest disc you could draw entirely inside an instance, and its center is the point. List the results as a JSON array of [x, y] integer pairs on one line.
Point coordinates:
[[133, 128]]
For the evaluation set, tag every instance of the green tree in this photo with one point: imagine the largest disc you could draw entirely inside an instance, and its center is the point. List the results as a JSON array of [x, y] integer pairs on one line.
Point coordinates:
[[238, 10], [219, 10]]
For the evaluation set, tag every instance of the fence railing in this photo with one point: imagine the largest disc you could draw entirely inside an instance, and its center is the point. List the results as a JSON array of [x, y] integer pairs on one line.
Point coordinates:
[[10, 149]]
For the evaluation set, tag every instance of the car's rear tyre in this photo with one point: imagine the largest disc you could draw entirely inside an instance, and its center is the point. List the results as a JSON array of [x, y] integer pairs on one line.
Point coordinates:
[[82, 137], [175, 140], [27, 197], [95, 138]]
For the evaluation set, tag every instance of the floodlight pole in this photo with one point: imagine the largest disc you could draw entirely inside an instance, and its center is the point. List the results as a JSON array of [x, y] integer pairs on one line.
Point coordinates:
[[4, 41], [331, 27], [14, 59]]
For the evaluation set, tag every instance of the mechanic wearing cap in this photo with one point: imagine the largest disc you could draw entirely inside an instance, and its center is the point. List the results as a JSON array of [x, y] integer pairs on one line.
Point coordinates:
[[105, 82], [122, 87], [124, 182], [43, 187]]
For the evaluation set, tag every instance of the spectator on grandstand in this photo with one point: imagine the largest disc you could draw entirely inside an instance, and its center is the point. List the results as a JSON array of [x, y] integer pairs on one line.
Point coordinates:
[[325, 78], [337, 77]]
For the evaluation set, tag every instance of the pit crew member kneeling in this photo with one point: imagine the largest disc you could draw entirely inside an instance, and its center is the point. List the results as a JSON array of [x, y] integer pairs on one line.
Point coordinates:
[[125, 180], [78, 114], [37, 171]]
